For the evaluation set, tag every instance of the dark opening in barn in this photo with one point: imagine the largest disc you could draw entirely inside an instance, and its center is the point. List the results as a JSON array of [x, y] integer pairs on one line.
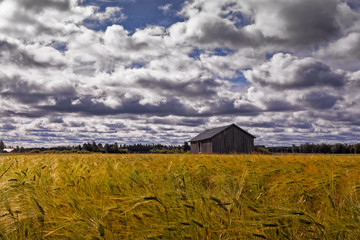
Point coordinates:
[[226, 139]]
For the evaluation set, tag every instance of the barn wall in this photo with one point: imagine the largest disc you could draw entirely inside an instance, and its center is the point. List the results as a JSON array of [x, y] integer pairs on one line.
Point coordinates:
[[232, 140], [205, 146], [224, 141], [194, 147], [243, 142]]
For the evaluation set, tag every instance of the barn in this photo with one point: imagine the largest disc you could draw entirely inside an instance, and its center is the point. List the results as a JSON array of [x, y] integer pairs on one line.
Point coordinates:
[[226, 139]]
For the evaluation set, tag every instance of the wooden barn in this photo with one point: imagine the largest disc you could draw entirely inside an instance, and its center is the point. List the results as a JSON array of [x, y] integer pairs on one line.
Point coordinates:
[[227, 139]]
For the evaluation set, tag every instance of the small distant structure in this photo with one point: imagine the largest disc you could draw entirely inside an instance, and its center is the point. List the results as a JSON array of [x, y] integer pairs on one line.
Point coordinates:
[[226, 139], [8, 150]]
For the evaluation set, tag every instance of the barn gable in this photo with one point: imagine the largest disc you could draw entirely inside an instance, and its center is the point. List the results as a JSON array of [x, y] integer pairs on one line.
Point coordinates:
[[226, 139]]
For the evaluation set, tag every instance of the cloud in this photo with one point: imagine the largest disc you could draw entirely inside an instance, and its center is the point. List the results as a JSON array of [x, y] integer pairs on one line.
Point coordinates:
[[343, 53], [165, 8], [204, 27], [42, 5], [320, 100], [293, 24], [309, 22], [7, 127], [285, 71], [13, 53], [113, 14]]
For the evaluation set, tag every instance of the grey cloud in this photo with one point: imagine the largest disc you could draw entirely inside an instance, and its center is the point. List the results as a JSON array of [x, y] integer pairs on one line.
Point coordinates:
[[176, 122], [244, 109], [318, 74], [284, 71], [115, 125], [279, 106], [300, 23], [30, 93], [348, 118], [20, 90], [193, 88], [343, 53], [53, 119], [170, 107], [44, 135], [147, 129], [87, 106], [309, 21], [163, 129], [230, 35], [12, 53], [26, 98], [302, 125], [8, 127], [76, 124], [320, 100], [40, 5], [275, 124]]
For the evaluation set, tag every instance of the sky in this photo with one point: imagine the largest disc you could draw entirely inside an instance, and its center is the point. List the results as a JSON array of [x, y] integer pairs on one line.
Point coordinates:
[[140, 71]]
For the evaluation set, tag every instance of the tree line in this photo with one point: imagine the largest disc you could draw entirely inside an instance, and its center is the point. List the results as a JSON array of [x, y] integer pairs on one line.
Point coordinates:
[[337, 148], [133, 148], [88, 147], [92, 146]]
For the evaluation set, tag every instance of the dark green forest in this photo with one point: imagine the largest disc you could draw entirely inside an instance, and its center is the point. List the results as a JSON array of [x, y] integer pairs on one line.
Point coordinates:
[[92, 146]]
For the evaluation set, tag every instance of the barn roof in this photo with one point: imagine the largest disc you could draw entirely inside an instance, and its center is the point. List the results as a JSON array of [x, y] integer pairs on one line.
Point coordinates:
[[212, 132]]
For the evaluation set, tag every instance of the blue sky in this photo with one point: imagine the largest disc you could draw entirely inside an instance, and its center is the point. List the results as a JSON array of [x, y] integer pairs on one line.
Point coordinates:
[[162, 71], [142, 13]]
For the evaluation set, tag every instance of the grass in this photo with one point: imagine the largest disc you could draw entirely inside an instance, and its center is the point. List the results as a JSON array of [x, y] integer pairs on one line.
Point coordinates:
[[180, 197]]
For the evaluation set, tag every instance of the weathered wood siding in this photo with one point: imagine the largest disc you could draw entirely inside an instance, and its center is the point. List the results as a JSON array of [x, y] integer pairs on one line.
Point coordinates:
[[194, 147], [232, 140], [204, 146]]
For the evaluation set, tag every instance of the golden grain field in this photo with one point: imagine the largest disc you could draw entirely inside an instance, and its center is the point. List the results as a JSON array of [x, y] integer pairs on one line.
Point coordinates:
[[98, 196]]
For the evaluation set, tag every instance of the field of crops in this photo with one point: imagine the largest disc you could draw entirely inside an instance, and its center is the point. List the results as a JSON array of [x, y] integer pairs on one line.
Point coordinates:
[[179, 197]]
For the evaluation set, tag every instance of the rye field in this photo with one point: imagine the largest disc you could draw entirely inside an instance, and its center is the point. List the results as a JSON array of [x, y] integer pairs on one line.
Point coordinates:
[[99, 196]]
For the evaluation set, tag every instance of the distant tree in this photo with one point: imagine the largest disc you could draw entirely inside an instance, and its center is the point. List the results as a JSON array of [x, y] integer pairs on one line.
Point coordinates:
[[107, 148], [347, 148], [100, 147], [357, 148], [115, 148], [306, 148], [2, 145], [324, 148], [186, 147], [338, 148], [94, 146], [87, 147]]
